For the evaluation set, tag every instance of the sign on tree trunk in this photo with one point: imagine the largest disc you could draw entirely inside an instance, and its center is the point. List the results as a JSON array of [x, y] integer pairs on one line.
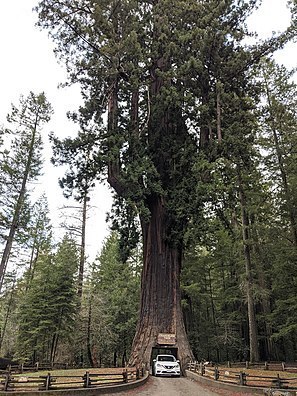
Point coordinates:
[[166, 339]]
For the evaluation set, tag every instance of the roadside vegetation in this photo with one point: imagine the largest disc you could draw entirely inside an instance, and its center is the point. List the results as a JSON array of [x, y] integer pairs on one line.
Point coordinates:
[[196, 132]]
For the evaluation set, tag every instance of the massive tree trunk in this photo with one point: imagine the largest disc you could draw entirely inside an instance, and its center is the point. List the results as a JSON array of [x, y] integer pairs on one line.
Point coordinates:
[[160, 310]]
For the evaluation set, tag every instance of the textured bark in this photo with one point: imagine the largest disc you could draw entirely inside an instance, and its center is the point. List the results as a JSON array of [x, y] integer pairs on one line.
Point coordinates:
[[89, 347], [219, 116], [82, 258], [253, 334], [160, 310]]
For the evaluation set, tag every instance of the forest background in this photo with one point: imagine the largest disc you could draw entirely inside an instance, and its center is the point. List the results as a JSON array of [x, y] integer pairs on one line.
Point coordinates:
[[214, 298]]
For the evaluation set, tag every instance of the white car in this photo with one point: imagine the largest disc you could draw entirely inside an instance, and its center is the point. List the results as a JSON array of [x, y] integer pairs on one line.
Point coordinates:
[[166, 365]]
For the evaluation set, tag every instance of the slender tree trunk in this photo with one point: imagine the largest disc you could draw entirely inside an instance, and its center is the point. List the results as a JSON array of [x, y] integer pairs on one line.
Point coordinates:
[[115, 359], [219, 115], [253, 333], [53, 344], [18, 206], [214, 320], [124, 358], [56, 338], [32, 264], [7, 315], [82, 247], [89, 347], [265, 300]]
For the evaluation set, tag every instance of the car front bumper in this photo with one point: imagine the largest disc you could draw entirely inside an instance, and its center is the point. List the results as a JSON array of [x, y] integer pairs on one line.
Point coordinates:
[[168, 372]]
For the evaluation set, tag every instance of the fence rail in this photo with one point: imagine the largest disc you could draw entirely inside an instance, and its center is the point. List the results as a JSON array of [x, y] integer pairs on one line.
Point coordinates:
[[272, 366], [244, 378], [10, 382], [28, 367]]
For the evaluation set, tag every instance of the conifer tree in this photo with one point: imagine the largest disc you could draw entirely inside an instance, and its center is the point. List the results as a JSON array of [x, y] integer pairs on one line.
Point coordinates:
[[39, 236], [117, 282], [171, 75], [77, 153], [22, 163], [47, 312], [278, 138]]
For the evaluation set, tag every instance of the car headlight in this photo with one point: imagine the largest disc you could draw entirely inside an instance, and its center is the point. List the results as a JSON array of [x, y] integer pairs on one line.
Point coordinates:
[[159, 365]]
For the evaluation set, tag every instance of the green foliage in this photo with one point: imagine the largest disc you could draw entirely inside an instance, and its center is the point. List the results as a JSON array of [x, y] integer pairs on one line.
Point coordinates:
[[213, 298], [124, 221], [20, 164], [81, 155], [19, 156], [183, 126], [47, 312], [117, 283], [8, 316]]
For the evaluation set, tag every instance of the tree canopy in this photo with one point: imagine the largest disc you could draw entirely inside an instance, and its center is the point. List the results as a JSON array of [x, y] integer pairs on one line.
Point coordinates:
[[170, 86]]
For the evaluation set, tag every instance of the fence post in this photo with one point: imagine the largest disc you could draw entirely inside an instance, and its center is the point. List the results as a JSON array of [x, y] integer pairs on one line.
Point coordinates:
[[37, 366], [87, 381], [265, 366], [216, 373], [283, 366], [229, 364], [125, 376], [278, 382], [137, 373], [202, 369], [48, 382], [242, 378], [7, 380], [246, 364], [22, 368]]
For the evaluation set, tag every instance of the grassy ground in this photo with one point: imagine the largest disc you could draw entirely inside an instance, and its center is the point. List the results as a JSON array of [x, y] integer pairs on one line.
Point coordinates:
[[74, 372], [70, 378], [254, 376]]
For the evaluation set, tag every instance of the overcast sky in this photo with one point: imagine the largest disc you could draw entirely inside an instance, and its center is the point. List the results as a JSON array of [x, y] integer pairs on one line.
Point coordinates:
[[28, 64]]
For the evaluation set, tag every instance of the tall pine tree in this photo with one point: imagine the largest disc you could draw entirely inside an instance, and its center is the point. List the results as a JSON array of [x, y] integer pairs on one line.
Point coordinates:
[[21, 164]]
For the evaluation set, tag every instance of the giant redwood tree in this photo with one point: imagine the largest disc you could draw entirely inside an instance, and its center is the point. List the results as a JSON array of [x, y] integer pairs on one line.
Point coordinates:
[[163, 71]]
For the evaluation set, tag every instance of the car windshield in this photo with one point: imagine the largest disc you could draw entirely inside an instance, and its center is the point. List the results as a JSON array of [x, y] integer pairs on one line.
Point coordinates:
[[166, 358]]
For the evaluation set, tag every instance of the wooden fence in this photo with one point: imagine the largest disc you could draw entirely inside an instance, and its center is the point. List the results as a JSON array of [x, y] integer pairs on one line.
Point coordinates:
[[10, 382], [272, 366], [29, 367], [243, 378]]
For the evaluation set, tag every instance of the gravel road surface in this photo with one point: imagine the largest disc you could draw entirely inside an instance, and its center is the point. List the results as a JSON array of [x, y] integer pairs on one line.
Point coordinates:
[[157, 386]]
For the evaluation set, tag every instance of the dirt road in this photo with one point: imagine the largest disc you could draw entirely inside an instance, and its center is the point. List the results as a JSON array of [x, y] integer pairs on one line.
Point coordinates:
[[157, 386]]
